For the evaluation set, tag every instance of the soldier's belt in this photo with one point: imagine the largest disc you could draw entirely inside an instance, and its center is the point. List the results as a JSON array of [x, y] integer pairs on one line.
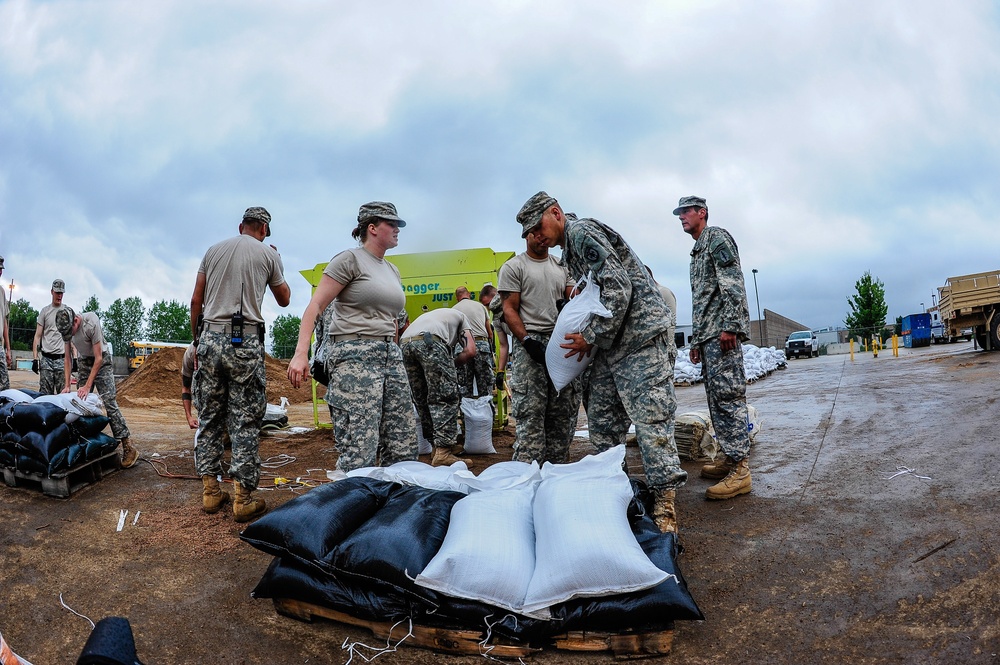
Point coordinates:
[[225, 328], [420, 338], [53, 356], [352, 336], [480, 339]]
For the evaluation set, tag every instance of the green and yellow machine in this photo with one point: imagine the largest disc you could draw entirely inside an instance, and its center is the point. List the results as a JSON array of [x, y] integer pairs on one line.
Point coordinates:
[[430, 280]]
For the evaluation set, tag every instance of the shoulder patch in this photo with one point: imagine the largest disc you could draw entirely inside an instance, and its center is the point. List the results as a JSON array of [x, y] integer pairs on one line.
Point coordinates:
[[721, 252], [593, 253]]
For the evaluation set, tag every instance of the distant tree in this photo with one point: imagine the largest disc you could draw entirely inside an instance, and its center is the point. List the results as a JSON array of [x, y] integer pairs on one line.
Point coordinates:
[[23, 319], [123, 323], [285, 335], [93, 305], [868, 308], [169, 322]]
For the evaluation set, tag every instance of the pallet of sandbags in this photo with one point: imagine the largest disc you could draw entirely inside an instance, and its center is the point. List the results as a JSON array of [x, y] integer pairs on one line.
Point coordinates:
[[695, 436], [64, 483]]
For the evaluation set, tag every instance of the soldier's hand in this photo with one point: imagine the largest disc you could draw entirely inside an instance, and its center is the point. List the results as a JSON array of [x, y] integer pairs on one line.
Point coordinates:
[[577, 346], [695, 355], [499, 382], [535, 349], [34, 365]]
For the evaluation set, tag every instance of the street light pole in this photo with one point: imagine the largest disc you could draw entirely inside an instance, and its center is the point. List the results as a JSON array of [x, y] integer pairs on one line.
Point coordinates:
[[760, 323]]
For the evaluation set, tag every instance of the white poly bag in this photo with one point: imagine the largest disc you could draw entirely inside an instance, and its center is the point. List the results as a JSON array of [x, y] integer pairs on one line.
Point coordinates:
[[91, 405], [584, 545], [15, 395], [573, 318], [276, 411], [488, 553], [478, 416]]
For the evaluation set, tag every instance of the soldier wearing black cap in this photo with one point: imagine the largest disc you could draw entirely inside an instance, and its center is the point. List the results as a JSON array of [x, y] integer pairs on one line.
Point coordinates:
[[48, 344], [628, 380], [720, 324], [6, 359], [95, 371], [368, 391], [232, 380]]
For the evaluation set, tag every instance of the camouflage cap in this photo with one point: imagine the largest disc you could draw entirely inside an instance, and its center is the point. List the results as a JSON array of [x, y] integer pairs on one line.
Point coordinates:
[[530, 214], [64, 322], [1, 263], [58, 286], [258, 214], [690, 202], [379, 210]]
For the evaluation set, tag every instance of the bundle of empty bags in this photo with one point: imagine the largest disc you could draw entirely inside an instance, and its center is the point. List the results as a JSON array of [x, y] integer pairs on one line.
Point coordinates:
[[47, 434], [524, 552]]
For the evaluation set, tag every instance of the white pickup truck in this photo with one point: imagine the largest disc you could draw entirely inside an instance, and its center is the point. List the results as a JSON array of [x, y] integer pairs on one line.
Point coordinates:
[[801, 343]]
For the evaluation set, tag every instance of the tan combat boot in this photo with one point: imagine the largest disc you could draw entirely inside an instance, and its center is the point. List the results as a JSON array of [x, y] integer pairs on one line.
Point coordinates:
[[735, 483], [213, 497], [443, 457], [718, 468], [129, 454], [245, 506], [664, 510]]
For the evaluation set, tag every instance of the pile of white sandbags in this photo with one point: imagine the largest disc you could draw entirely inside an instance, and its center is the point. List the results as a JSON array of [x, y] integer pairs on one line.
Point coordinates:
[[757, 363]]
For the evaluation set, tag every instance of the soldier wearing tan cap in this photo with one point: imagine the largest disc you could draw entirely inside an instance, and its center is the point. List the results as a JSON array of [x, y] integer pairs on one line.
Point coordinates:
[[48, 344]]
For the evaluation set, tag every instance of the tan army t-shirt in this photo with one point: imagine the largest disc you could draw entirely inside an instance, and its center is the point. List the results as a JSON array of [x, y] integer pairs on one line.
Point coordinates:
[[477, 315], [52, 341], [540, 282], [372, 296], [446, 322], [88, 334], [240, 265]]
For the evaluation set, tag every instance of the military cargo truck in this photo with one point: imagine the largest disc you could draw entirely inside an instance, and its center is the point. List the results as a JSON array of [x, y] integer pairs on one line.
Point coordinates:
[[972, 301]]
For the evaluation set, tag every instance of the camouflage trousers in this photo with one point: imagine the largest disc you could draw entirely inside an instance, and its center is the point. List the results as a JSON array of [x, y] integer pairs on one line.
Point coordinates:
[[480, 368], [726, 388], [4, 376], [430, 367], [639, 388], [104, 383], [51, 375], [232, 398], [370, 404], [544, 419]]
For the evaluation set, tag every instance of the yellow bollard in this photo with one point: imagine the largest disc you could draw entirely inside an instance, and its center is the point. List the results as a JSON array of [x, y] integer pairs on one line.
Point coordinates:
[[874, 347], [852, 348]]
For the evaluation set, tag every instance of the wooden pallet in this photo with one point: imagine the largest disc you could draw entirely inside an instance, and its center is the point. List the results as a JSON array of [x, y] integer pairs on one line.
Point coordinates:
[[470, 642], [64, 483]]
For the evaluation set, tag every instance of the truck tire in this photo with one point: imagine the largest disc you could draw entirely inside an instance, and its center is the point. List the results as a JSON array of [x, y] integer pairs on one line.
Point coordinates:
[[979, 332], [995, 332]]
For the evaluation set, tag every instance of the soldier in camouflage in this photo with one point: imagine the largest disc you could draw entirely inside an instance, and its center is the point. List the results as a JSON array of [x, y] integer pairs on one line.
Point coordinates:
[[721, 323], [232, 379], [367, 391], [431, 367], [48, 343], [94, 371], [6, 359], [480, 369], [531, 285], [628, 380]]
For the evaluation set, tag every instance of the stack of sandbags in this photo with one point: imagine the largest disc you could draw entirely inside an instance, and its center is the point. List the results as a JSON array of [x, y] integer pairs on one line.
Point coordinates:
[[51, 433], [759, 362], [695, 436]]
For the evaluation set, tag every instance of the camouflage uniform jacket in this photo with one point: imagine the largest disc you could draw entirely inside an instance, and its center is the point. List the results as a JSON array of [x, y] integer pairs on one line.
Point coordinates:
[[638, 311], [717, 292]]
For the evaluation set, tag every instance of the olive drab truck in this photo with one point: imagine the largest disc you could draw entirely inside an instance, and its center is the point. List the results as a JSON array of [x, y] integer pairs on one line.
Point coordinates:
[[972, 301], [429, 280]]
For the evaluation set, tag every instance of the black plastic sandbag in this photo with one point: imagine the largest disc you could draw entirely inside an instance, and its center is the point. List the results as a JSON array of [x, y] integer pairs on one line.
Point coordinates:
[[89, 426], [31, 444], [6, 411], [41, 417], [332, 513], [98, 446], [7, 458], [56, 441], [30, 464], [75, 454]]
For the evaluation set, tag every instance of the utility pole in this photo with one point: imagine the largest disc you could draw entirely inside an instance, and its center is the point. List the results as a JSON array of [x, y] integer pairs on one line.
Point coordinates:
[[760, 323]]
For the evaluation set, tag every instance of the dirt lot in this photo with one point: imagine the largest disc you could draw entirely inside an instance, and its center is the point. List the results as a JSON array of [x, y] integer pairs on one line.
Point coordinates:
[[832, 559]]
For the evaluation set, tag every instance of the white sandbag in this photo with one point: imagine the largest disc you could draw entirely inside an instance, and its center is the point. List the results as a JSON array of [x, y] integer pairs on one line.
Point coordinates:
[[488, 553], [584, 545], [573, 318], [70, 402], [424, 446], [276, 411], [15, 395], [477, 413], [419, 474], [754, 423], [502, 475]]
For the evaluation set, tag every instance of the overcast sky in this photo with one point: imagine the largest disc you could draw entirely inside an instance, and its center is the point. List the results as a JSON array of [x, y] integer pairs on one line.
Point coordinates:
[[830, 138]]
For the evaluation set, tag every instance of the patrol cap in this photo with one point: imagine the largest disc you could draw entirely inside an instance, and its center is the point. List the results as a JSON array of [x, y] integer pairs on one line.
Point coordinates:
[[58, 286], [690, 202], [64, 322], [530, 214], [259, 214], [1, 263], [379, 210]]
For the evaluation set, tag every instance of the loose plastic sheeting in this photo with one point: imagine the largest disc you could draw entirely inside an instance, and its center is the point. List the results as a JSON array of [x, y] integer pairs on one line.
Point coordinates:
[[298, 533], [478, 416], [573, 318]]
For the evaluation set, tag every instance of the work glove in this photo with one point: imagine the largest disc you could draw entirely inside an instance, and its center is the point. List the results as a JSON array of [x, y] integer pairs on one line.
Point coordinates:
[[535, 349], [34, 365], [500, 377], [75, 366]]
